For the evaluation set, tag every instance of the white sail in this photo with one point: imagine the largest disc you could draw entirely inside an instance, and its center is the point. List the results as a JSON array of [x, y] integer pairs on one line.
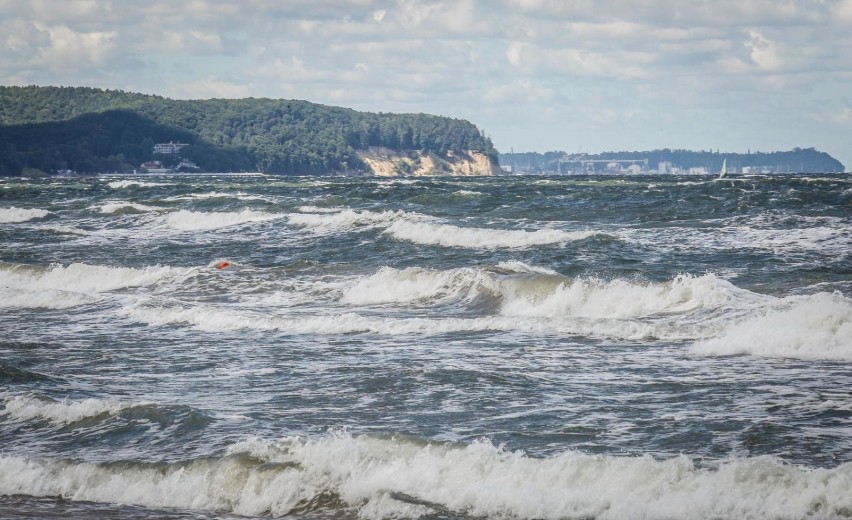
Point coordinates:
[[724, 172]]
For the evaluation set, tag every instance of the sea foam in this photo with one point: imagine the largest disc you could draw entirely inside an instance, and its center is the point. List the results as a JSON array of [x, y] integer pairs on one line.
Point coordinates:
[[185, 220], [327, 222], [117, 185], [13, 215], [619, 298], [123, 207], [448, 235], [379, 479], [817, 326], [61, 287], [27, 407]]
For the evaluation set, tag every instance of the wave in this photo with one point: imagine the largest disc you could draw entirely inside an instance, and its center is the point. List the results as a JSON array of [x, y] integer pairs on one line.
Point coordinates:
[[389, 478], [217, 195], [60, 287], [12, 374], [126, 207], [818, 326], [13, 215], [594, 298], [326, 222], [391, 285], [28, 407], [117, 185], [413, 284], [185, 220], [211, 318], [448, 235]]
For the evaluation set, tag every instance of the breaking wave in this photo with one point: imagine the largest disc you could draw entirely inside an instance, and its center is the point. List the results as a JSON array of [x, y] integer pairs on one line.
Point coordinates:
[[117, 185], [818, 326], [27, 407], [126, 207], [325, 222], [60, 287], [380, 478], [185, 220], [14, 215], [448, 235]]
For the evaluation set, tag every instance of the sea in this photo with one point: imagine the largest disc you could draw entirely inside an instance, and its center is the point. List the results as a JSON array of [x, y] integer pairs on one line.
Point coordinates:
[[515, 347]]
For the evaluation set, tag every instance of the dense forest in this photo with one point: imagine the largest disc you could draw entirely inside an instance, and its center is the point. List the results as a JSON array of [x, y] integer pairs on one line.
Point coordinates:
[[90, 130], [798, 160]]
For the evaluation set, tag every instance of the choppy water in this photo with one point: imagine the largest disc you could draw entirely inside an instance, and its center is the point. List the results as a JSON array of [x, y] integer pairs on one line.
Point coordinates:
[[531, 348]]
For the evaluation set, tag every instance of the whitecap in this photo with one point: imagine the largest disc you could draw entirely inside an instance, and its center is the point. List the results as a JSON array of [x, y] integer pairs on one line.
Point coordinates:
[[386, 478], [27, 407], [185, 220], [14, 215], [448, 235], [817, 326]]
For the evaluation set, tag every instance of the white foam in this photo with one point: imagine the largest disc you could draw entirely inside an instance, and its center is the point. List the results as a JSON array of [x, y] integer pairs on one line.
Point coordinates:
[[217, 194], [113, 207], [347, 219], [448, 235], [211, 318], [593, 298], [61, 287], [521, 267], [26, 407], [412, 284], [818, 326], [185, 220], [317, 209], [117, 185], [379, 479], [13, 215]]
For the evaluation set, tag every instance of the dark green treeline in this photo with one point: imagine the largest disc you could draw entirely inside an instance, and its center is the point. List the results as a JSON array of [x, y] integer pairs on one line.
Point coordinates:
[[90, 130]]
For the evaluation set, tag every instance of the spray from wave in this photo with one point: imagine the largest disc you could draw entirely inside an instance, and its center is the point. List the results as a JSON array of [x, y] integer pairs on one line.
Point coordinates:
[[448, 235], [60, 287], [185, 220], [28, 407], [818, 326], [13, 215], [378, 479]]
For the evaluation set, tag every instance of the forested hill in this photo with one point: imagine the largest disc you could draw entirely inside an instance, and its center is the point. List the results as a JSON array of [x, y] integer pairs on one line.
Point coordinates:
[[91, 130]]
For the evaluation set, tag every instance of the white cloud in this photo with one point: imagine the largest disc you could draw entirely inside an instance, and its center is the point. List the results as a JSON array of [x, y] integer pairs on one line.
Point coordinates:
[[630, 64], [68, 49]]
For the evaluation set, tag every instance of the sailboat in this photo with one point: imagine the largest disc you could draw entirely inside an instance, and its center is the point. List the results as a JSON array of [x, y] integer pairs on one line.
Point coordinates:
[[724, 172]]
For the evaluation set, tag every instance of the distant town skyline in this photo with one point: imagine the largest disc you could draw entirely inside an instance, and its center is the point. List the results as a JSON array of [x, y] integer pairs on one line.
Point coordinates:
[[535, 75]]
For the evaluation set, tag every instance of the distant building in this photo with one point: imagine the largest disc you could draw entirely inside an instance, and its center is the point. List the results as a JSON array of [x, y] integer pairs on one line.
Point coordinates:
[[698, 170], [665, 167], [169, 148]]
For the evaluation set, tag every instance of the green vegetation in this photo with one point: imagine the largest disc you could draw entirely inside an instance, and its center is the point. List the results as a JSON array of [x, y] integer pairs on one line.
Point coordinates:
[[91, 130], [798, 160]]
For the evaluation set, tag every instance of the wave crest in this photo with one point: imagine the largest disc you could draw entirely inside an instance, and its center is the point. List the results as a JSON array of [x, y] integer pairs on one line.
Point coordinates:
[[379, 479], [810, 327], [61, 287], [13, 215], [185, 220], [448, 235]]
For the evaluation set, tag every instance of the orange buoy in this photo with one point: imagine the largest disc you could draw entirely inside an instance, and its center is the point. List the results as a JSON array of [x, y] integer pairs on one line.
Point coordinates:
[[223, 264]]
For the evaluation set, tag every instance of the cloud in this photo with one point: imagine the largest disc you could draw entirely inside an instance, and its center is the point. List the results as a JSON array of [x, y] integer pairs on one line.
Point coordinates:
[[605, 65]]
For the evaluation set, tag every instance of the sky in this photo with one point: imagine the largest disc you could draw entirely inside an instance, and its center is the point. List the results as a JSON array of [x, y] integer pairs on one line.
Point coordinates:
[[534, 75]]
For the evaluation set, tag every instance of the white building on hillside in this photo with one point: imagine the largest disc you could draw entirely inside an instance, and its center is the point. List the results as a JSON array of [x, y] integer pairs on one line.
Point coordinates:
[[169, 148]]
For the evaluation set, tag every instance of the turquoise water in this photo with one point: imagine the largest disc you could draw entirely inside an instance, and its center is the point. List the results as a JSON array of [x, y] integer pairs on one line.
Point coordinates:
[[521, 347]]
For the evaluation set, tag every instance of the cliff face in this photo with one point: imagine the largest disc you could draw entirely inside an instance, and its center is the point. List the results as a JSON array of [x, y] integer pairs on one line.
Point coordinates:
[[390, 163]]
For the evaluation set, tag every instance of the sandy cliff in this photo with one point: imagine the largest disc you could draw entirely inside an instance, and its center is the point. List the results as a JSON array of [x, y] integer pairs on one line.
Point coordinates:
[[388, 163]]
